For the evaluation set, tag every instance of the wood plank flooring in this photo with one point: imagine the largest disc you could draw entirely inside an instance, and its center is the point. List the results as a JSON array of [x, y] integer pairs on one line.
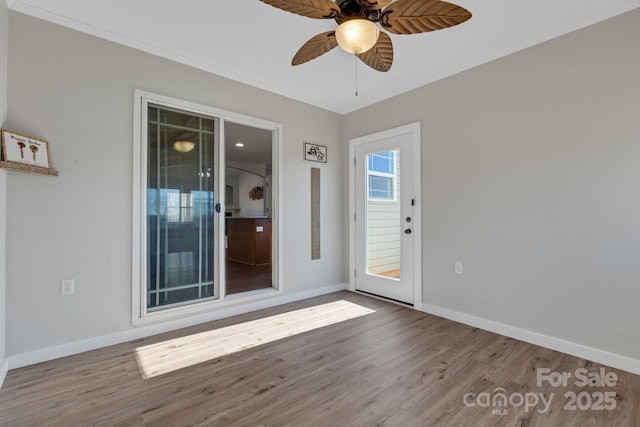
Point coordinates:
[[387, 366], [244, 278]]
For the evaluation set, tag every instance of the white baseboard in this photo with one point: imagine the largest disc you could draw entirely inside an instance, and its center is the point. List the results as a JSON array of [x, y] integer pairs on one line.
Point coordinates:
[[596, 355], [68, 349], [4, 368]]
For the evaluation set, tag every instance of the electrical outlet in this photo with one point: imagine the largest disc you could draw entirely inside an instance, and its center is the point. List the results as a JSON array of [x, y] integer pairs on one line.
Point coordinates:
[[67, 286], [458, 267]]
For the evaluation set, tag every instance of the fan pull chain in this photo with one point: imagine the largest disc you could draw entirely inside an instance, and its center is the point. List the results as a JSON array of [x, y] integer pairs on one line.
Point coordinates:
[[356, 58]]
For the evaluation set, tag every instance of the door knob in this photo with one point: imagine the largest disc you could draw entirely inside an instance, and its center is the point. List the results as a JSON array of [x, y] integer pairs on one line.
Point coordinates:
[[407, 231]]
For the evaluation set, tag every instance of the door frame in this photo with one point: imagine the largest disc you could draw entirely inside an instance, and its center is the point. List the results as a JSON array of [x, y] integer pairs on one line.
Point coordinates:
[[414, 130], [139, 313]]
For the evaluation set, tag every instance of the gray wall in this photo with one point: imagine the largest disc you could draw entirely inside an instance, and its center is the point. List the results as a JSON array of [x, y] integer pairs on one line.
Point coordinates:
[[530, 172], [4, 33], [76, 91]]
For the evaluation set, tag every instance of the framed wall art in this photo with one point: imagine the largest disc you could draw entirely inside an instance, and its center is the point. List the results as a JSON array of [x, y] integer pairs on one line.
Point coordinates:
[[315, 152], [23, 149]]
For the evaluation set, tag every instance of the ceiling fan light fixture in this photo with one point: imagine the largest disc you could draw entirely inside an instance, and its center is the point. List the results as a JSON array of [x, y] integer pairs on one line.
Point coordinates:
[[357, 35], [183, 146]]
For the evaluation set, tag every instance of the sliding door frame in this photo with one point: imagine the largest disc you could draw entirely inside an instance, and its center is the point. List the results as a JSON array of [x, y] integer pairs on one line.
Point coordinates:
[[139, 313]]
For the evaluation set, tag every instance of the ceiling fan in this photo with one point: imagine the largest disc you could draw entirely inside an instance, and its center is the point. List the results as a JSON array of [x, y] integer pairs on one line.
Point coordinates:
[[358, 32]]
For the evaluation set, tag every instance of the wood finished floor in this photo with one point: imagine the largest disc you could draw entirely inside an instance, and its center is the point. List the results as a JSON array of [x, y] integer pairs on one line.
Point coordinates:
[[244, 278], [393, 367]]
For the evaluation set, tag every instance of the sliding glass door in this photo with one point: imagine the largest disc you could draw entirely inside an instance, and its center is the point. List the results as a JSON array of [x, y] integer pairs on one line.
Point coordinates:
[[205, 208]]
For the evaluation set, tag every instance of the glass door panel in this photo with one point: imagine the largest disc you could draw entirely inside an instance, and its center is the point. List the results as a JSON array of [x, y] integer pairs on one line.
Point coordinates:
[[383, 214], [180, 207]]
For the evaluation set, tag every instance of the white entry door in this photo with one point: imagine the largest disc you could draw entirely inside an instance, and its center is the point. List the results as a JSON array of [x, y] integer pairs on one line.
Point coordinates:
[[386, 218]]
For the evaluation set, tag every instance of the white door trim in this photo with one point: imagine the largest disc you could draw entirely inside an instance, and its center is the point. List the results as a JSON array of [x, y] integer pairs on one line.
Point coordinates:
[[414, 130]]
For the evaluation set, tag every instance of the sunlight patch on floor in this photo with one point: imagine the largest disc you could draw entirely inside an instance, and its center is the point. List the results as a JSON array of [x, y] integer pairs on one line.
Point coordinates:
[[171, 355]]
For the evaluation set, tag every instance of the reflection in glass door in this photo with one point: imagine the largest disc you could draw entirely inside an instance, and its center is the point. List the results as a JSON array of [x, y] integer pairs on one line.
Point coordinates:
[[180, 207]]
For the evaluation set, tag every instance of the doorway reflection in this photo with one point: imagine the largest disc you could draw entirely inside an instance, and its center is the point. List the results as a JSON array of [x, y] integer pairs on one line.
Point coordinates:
[[249, 257]]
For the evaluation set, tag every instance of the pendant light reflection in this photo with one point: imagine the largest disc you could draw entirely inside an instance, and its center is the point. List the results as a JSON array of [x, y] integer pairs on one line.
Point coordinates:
[[357, 35], [185, 143]]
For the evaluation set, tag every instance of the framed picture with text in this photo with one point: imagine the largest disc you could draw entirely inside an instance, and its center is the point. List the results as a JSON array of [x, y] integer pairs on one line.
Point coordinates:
[[18, 148]]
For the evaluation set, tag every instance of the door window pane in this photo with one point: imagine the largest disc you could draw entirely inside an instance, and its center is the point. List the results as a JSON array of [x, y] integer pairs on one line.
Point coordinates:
[[383, 215], [180, 207]]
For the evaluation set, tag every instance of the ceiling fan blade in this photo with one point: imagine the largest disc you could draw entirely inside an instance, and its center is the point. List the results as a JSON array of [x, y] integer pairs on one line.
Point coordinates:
[[318, 9], [314, 47], [419, 16], [374, 4], [380, 56]]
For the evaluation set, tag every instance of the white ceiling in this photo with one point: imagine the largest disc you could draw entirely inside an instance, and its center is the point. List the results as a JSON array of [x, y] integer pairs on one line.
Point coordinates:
[[257, 144], [251, 42]]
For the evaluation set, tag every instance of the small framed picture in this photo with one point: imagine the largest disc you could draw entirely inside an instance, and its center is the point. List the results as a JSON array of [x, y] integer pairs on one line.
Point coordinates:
[[315, 152], [18, 148]]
